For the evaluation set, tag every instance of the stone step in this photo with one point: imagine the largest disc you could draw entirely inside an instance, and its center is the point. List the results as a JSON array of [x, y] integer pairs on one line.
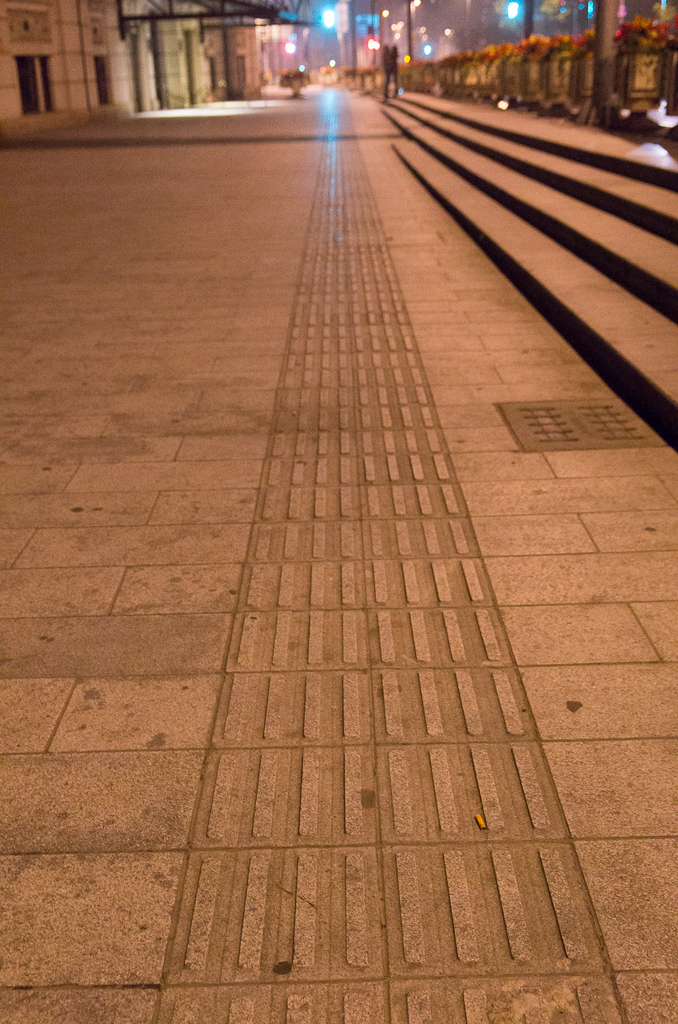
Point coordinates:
[[631, 345], [648, 206], [638, 261], [584, 145]]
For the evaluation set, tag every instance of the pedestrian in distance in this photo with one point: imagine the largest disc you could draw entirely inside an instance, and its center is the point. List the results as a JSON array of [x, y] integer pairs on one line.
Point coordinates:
[[390, 64]]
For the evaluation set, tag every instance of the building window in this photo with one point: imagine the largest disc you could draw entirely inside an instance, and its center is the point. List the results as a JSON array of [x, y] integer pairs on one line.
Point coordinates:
[[101, 72], [34, 84]]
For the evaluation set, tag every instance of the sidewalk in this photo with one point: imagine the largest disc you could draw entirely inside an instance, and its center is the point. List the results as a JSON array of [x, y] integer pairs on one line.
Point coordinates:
[[289, 609]]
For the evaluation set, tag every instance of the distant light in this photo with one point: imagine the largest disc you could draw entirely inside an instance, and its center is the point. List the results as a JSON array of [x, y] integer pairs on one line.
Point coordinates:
[[417, 3], [448, 31], [503, 104], [400, 92], [407, 58], [512, 10], [302, 67], [333, 63], [385, 14], [328, 17], [428, 50], [394, 28], [372, 44], [590, 8], [290, 48]]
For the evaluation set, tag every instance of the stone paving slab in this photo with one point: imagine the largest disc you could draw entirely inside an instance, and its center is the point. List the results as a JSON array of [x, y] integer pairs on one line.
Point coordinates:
[[286, 770]]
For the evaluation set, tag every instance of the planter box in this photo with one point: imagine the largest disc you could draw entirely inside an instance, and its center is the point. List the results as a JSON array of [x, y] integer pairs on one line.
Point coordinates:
[[642, 79], [446, 80], [670, 80], [581, 79], [512, 84], [531, 81], [493, 80], [558, 73], [639, 77]]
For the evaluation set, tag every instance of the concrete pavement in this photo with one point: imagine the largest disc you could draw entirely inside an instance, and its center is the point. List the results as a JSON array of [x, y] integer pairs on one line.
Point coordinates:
[[323, 699]]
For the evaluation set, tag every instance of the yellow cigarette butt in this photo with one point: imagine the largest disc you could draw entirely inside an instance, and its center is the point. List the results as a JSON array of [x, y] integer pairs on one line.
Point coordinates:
[[480, 821]]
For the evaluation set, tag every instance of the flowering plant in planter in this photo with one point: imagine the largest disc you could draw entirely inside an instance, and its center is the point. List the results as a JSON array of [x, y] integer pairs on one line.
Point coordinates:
[[583, 44], [642, 34], [293, 80], [288, 78], [534, 48]]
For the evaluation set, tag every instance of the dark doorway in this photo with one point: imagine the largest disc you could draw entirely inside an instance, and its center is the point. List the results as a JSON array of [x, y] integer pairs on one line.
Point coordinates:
[[101, 72], [214, 81], [28, 85]]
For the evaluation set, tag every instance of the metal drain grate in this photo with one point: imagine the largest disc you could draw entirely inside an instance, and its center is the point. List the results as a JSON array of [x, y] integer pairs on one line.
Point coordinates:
[[561, 426]]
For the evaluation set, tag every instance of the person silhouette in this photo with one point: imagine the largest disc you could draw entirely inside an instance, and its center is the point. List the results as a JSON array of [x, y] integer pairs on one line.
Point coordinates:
[[390, 65]]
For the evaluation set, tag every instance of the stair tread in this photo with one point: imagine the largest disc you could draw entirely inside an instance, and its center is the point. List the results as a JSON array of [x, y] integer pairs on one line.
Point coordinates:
[[640, 334], [654, 255], [652, 197], [591, 146]]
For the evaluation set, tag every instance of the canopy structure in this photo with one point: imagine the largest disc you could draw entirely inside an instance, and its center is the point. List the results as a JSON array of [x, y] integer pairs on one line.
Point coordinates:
[[214, 11]]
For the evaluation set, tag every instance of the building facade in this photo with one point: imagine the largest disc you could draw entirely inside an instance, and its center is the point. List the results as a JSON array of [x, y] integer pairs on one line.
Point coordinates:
[[61, 55], [66, 56]]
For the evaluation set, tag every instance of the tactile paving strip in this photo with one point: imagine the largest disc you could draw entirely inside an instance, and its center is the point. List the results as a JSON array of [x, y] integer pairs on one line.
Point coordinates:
[[372, 714]]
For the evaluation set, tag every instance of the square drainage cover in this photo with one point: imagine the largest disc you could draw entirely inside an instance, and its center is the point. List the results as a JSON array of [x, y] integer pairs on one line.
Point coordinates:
[[561, 426]]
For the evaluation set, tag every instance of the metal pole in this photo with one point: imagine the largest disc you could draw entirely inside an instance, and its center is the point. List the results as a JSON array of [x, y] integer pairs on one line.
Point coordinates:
[[226, 53], [159, 66], [122, 25], [528, 18], [372, 15], [603, 59], [409, 28], [354, 35]]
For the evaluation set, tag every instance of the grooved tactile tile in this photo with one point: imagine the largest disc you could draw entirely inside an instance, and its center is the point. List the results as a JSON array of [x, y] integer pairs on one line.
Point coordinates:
[[372, 715]]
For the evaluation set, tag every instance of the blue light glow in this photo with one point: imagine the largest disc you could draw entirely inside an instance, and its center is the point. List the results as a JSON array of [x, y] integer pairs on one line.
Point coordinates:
[[428, 50], [328, 17], [590, 7], [512, 10]]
